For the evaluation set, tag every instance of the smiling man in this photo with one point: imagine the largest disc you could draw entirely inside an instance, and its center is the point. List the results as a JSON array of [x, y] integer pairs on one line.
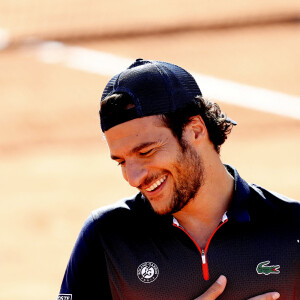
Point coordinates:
[[155, 163], [194, 219]]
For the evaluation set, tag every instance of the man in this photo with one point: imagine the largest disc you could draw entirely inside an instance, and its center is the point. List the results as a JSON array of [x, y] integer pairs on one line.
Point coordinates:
[[194, 218]]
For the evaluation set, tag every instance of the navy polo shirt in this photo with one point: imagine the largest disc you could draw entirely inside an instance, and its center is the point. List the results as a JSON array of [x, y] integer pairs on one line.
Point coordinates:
[[126, 251]]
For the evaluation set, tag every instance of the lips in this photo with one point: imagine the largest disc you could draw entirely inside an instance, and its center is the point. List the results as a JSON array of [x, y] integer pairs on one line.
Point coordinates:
[[156, 184]]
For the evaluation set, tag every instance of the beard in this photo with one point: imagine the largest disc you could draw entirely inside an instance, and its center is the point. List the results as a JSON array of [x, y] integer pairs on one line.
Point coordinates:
[[188, 174]]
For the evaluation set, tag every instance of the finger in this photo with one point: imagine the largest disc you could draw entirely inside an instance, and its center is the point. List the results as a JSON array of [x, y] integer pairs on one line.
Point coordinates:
[[215, 290], [267, 296]]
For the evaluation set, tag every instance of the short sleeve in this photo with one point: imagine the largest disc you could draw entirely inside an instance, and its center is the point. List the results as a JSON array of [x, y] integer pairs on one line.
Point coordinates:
[[86, 272]]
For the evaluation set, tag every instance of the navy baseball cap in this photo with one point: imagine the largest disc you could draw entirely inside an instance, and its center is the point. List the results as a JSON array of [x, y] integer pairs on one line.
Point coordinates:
[[156, 88]]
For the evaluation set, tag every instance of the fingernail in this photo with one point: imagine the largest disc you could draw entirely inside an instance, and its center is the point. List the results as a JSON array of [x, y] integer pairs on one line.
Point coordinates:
[[276, 296], [221, 280]]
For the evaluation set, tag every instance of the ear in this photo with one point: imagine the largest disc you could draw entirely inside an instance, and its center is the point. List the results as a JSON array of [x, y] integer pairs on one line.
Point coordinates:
[[195, 130]]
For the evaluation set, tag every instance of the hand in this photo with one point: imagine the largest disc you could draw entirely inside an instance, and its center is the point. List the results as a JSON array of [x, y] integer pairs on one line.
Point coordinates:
[[219, 286], [215, 290], [267, 296]]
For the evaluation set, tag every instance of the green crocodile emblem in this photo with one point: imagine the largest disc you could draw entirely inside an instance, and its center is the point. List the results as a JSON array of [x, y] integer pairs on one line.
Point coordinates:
[[263, 268]]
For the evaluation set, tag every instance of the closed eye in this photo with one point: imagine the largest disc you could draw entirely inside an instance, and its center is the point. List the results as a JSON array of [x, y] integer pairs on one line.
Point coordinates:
[[147, 152]]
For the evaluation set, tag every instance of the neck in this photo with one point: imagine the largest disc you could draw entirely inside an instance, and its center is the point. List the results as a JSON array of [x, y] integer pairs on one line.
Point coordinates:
[[201, 215]]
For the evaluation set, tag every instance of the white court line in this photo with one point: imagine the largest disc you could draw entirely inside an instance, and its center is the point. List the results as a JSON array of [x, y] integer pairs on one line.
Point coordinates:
[[222, 90]]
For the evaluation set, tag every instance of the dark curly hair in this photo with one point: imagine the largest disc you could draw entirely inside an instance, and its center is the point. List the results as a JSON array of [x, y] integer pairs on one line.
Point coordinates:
[[216, 122]]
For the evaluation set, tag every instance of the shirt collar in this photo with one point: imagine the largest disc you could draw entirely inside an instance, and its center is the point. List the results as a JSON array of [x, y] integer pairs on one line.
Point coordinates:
[[238, 208]]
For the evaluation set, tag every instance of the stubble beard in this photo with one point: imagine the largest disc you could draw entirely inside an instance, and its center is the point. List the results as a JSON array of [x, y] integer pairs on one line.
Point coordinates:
[[189, 172]]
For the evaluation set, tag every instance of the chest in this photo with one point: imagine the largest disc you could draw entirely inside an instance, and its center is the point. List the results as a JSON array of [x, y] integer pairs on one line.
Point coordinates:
[[167, 264]]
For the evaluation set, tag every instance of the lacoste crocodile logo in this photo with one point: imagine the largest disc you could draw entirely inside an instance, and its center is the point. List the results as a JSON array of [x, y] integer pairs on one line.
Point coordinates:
[[263, 268]]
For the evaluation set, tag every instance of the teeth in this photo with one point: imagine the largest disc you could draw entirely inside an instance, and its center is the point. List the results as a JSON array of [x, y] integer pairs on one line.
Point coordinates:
[[156, 184]]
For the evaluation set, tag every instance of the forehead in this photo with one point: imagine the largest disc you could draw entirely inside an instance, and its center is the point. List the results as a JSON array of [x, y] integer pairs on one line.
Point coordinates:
[[131, 133]]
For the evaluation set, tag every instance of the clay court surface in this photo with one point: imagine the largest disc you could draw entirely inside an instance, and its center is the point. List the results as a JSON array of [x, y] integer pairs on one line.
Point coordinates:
[[54, 163]]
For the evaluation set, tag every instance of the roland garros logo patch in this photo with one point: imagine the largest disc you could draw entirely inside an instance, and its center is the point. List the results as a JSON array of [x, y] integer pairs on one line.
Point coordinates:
[[147, 272]]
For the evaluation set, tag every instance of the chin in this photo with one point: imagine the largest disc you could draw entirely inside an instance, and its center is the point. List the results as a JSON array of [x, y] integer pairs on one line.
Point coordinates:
[[161, 211]]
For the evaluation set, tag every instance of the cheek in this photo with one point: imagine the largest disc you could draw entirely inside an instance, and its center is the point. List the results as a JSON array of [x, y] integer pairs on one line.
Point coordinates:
[[165, 158]]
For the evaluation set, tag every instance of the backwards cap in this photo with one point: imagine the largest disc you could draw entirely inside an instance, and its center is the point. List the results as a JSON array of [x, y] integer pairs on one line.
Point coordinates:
[[156, 88]]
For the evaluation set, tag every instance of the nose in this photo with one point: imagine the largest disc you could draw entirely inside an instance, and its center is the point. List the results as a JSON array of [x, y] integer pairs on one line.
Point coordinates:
[[134, 173]]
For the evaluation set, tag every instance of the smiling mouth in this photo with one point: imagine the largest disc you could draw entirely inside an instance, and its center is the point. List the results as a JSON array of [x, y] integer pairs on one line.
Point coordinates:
[[156, 184]]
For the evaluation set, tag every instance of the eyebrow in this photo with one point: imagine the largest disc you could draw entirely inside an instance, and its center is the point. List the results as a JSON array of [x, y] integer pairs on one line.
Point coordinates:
[[136, 149]]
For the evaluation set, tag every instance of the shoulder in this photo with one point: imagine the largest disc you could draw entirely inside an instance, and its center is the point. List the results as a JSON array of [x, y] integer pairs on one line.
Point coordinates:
[[132, 207], [274, 206], [123, 215], [124, 206]]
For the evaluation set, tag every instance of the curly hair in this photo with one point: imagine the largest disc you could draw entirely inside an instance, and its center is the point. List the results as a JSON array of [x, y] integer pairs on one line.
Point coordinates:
[[216, 122]]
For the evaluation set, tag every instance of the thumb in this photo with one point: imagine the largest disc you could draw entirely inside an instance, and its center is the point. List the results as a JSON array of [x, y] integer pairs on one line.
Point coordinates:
[[215, 290]]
